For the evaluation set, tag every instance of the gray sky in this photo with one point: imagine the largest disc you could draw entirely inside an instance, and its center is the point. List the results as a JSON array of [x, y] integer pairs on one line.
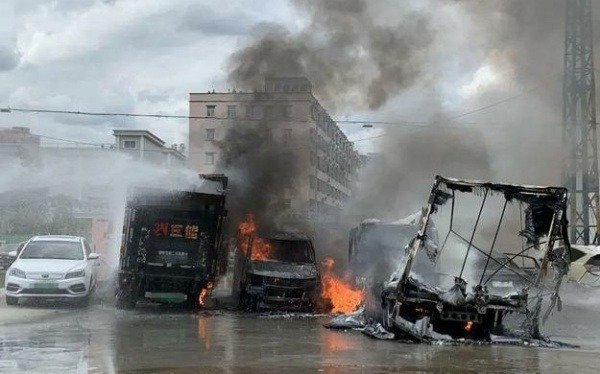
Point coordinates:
[[130, 56], [146, 56]]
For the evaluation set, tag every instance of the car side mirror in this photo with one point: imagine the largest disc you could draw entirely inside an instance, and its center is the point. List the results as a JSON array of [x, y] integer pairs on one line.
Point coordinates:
[[12, 253], [93, 256]]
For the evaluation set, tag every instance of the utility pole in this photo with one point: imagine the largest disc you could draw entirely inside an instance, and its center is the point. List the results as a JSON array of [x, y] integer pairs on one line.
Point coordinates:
[[580, 172]]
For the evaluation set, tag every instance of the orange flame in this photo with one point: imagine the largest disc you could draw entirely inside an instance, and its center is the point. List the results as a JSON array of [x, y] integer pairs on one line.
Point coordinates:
[[343, 297], [261, 248], [205, 293]]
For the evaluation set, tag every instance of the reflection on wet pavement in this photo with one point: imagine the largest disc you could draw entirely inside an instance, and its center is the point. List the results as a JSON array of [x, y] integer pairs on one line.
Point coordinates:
[[105, 340]]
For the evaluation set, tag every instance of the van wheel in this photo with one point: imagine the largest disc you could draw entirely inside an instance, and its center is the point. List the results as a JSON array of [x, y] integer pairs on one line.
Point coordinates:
[[249, 303], [243, 302], [11, 300]]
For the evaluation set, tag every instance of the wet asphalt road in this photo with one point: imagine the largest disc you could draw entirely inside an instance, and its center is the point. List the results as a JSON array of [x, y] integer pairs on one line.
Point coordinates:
[[101, 339], [59, 338]]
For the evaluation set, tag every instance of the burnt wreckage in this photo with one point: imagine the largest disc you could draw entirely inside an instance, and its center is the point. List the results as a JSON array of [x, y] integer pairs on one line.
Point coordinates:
[[484, 285], [285, 278]]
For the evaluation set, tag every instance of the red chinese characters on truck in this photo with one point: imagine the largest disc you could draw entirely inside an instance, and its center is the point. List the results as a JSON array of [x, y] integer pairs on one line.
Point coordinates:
[[163, 229]]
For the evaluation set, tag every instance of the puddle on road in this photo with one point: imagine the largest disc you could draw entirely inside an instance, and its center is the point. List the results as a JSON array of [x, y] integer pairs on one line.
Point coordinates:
[[102, 339]]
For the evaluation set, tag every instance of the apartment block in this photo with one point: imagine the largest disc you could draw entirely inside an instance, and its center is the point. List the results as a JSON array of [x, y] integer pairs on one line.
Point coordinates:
[[294, 116]]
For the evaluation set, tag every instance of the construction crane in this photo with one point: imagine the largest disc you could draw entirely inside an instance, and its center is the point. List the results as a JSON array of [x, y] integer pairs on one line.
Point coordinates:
[[580, 172]]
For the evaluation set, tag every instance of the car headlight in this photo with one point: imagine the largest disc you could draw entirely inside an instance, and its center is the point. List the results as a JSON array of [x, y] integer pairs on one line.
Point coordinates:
[[75, 274], [17, 273]]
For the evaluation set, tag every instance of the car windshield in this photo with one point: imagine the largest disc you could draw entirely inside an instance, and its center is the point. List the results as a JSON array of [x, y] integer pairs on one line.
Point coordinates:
[[291, 251], [61, 250]]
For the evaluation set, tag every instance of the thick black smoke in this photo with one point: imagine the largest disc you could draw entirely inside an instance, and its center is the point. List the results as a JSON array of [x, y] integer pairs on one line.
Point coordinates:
[[264, 171], [343, 48], [361, 54]]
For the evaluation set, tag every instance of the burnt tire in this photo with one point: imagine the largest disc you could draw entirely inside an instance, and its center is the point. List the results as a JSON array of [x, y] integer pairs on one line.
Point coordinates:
[[11, 300], [245, 303], [249, 303]]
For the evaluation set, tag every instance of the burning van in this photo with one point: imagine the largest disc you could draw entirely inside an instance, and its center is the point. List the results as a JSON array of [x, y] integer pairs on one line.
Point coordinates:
[[279, 270], [468, 285]]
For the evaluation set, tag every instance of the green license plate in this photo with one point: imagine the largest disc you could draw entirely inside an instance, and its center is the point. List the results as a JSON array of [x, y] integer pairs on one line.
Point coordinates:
[[48, 285]]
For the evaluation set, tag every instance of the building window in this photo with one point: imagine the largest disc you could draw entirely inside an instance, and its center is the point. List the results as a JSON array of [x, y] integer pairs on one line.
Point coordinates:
[[268, 112], [231, 111], [129, 144], [250, 111], [287, 203], [287, 134], [209, 158], [210, 110], [286, 111], [210, 134]]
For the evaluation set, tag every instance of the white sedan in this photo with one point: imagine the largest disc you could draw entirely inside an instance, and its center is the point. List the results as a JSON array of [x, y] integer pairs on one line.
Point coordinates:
[[52, 267]]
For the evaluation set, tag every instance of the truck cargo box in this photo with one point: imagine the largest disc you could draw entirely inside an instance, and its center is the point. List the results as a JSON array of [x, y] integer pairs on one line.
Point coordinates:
[[171, 245]]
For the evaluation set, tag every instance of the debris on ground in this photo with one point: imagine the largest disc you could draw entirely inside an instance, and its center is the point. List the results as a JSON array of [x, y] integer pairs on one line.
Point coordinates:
[[422, 332], [353, 320]]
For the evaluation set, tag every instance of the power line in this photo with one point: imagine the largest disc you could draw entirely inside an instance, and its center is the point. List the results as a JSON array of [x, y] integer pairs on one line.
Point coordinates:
[[107, 145], [175, 116], [494, 104], [103, 114], [153, 115], [72, 141], [405, 123]]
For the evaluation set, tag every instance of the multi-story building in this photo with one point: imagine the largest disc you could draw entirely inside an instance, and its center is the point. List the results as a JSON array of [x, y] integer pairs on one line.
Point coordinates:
[[294, 116], [148, 147], [20, 142]]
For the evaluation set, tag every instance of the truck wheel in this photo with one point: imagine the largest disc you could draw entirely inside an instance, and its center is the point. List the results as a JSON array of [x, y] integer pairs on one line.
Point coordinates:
[[192, 300], [254, 304], [11, 300], [125, 300]]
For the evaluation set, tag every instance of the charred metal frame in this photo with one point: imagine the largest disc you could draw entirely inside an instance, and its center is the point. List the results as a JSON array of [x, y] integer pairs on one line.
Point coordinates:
[[443, 189]]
